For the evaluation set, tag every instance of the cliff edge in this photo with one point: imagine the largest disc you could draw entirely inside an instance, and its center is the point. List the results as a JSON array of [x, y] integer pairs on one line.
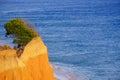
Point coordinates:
[[33, 64]]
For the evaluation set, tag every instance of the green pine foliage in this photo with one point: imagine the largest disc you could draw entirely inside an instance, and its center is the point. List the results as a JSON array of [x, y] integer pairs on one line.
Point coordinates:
[[20, 30]]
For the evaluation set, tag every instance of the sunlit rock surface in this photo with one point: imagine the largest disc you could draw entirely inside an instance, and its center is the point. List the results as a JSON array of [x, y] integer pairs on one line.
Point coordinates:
[[32, 65]]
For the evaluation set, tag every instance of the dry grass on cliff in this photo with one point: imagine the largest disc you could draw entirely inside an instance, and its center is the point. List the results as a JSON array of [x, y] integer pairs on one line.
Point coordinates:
[[4, 47]]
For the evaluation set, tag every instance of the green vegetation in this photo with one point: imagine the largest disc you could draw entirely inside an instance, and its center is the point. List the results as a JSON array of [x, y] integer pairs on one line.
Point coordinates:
[[20, 30]]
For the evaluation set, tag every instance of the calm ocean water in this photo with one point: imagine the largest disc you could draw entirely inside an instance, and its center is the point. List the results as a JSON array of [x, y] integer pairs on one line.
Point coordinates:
[[82, 36]]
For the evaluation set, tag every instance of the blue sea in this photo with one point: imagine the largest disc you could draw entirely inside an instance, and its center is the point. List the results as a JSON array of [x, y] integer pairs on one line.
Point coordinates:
[[82, 36]]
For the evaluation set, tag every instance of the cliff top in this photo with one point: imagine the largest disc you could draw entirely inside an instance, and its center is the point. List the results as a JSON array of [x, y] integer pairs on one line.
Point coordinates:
[[4, 47]]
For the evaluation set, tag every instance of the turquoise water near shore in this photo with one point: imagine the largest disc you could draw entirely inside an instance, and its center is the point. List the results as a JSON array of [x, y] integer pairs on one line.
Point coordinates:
[[82, 36]]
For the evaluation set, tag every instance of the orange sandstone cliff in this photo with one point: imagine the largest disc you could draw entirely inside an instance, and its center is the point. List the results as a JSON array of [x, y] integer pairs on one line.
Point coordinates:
[[33, 64]]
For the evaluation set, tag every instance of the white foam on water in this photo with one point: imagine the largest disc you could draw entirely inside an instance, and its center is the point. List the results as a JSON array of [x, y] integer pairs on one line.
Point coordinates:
[[68, 72]]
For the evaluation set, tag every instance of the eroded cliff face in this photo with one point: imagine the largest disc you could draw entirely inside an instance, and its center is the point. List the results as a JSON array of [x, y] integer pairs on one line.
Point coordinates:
[[32, 65]]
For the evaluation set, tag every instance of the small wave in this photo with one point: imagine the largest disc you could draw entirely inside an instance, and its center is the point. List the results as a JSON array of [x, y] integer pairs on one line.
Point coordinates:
[[61, 74], [66, 73], [22, 10]]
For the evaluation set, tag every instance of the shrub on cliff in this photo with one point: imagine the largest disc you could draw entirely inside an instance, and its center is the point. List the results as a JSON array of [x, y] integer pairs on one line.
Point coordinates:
[[20, 30]]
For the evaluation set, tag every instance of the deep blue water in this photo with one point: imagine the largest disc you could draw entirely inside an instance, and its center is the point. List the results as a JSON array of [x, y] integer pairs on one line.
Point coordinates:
[[82, 36]]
